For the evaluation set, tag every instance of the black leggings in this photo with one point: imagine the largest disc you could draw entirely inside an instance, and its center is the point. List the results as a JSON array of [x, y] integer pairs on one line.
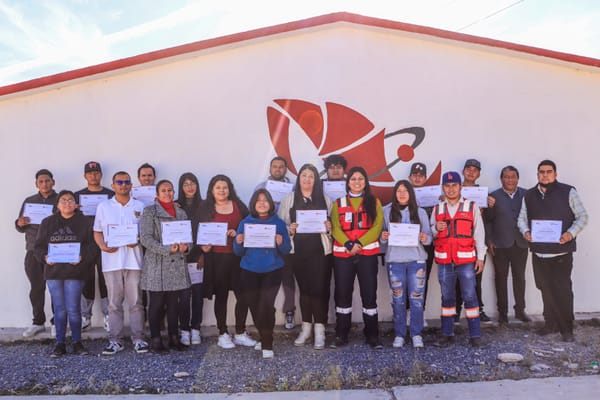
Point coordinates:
[[227, 277], [158, 300], [313, 274]]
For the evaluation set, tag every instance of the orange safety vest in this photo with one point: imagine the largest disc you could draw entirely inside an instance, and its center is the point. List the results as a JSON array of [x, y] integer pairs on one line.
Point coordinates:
[[456, 244], [354, 223]]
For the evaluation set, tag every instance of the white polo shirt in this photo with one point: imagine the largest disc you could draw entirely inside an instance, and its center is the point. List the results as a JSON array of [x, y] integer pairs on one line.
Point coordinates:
[[111, 212]]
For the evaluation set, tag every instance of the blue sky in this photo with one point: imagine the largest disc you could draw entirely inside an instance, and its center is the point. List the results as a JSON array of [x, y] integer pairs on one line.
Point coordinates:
[[44, 37]]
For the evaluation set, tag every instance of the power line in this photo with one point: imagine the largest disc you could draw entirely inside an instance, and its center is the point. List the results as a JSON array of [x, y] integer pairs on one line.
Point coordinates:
[[490, 15]]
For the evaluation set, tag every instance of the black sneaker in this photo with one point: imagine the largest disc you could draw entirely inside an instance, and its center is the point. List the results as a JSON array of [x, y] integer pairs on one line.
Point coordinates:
[[375, 343], [59, 350], [502, 319], [444, 341], [340, 341], [521, 316], [79, 350], [112, 348], [475, 342], [483, 317]]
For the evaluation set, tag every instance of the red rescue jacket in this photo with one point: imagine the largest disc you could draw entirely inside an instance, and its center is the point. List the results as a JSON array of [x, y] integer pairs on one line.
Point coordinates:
[[455, 244]]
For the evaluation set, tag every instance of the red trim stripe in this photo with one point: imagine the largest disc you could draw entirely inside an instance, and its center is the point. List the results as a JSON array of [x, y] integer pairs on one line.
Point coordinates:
[[283, 28]]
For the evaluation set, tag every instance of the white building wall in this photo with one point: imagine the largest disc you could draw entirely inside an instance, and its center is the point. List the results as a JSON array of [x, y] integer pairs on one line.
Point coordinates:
[[207, 114]]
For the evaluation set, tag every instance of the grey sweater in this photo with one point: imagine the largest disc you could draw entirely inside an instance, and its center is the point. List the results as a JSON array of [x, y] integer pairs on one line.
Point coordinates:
[[406, 254]]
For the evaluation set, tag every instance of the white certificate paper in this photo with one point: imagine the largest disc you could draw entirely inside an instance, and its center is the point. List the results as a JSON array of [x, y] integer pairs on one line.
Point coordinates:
[[546, 231], [428, 196], [145, 194], [176, 232], [64, 252], [259, 235], [37, 212], [122, 235], [478, 194], [278, 189], [334, 189], [404, 235], [196, 275], [89, 202], [212, 233], [311, 221]]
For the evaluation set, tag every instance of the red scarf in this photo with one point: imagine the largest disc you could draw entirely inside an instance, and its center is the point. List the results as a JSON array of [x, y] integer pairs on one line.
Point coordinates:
[[169, 207]]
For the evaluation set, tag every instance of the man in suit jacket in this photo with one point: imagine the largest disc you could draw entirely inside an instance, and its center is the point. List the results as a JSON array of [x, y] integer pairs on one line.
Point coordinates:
[[506, 244]]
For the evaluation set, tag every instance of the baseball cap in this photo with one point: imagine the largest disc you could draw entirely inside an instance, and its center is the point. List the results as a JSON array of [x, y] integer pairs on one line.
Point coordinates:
[[418, 168], [92, 166], [451, 177], [471, 162]]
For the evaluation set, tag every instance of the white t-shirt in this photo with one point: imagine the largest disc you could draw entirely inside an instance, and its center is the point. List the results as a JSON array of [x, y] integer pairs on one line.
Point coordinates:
[[111, 212]]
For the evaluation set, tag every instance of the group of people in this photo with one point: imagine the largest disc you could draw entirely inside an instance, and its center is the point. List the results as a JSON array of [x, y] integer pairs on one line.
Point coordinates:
[[315, 234]]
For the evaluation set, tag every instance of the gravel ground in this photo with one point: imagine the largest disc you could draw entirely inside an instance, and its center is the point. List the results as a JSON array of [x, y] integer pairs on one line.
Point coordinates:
[[26, 367]]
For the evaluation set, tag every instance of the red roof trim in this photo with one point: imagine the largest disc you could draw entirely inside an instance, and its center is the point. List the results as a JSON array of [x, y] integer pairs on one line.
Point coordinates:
[[283, 28]]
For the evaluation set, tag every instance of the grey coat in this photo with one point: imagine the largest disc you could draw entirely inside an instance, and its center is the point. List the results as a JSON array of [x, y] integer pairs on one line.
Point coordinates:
[[162, 271]]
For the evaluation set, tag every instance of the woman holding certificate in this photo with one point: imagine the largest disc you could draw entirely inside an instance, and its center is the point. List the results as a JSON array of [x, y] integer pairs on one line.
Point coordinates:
[[191, 300], [406, 230], [64, 245], [222, 266], [166, 234], [356, 221], [262, 239], [305, 211]]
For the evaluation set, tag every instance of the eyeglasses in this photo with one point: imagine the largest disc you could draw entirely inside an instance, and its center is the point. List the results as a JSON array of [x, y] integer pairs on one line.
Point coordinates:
[[191, 184], [67, 201], [120, 182]]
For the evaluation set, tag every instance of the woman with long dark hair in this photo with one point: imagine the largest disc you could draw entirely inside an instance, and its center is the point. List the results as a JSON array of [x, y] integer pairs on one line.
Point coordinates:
[[65, 279], [165, 272], [356, 219], [191, 300], [222, 266], [406, 264], [309, 251]]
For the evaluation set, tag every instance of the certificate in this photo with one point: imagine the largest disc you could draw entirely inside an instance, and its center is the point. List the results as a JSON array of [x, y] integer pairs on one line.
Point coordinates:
[[89, 202], [404, 235], [334, 189], [176, 232], [278, 189], [259, 235], [428, 196], [311, 221], [546, 230], [37, 212], [122, 235], [145, 194], [478, 194], [212, 233], [63, 252], [196, 275]]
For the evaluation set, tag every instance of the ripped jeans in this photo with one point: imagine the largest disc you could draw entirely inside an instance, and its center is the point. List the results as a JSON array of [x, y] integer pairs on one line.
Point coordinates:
[[407, 279]]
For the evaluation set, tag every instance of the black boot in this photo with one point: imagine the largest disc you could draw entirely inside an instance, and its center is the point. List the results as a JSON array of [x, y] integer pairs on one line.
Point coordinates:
[[371, 331], [175, 343]]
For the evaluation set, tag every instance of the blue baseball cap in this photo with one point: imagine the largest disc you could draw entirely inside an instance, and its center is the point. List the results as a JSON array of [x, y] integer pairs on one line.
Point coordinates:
[[451, 177]]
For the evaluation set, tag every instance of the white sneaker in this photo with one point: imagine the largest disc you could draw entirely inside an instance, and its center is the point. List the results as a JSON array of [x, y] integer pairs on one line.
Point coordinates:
[[398, 342], [243, 339], [196, 339], [268, 354], [106, 326], [184, 338], [417, 341], [258, 346], [225, 342], [33, 330], [85, 323]]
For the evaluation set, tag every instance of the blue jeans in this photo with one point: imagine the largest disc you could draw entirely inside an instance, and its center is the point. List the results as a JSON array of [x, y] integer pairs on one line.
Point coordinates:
[[66, 300], [407, 279], [465, 273]]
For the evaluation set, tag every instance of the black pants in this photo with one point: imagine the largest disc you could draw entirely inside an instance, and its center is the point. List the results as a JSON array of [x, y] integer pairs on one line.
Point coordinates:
[[459, 299], [191, 301], [227, 277], [158, 301], [313, 274], [37, 292], [345, 272], [553, 278], [259, 291], [89, 284], [515, 259]]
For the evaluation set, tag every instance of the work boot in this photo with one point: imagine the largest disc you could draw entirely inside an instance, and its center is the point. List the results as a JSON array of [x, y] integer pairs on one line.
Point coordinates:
[[305, 334], [319, 337]]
